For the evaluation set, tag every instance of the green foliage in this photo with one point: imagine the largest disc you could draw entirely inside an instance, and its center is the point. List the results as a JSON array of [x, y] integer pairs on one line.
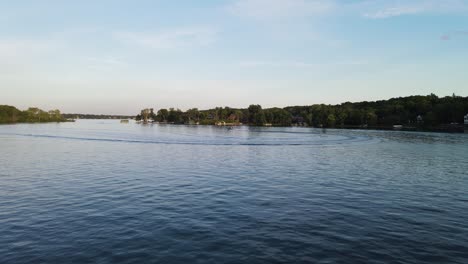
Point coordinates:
[[433, 110], [256, 115], [162, 115], [278, 117], [175, 116], [10, 114], [331, 120], [193, 115], [93, 116]]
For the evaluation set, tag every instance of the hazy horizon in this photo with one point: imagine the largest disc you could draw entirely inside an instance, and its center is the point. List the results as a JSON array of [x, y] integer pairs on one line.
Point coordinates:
[[118, 57]]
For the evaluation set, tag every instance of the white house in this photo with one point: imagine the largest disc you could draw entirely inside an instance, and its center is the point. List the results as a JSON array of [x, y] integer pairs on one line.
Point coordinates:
[[466, 123]]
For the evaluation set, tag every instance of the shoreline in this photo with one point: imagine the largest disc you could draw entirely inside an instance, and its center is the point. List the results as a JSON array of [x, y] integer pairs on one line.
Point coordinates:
[[45, 122], [447, 129]]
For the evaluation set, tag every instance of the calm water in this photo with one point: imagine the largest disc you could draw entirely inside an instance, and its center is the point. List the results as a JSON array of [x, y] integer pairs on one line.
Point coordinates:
[[105, 192]]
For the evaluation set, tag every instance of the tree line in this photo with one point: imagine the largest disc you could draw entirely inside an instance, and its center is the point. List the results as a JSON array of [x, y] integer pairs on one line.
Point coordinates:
[[416, 111], [10, 114], [94, 116]]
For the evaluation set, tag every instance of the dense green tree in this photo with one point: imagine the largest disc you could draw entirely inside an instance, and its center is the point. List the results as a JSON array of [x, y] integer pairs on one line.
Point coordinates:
[[193, 115], [256, 115], [175, 116], [331, 120], [162, 115], [10, 114], [277, 117], [432, 110]]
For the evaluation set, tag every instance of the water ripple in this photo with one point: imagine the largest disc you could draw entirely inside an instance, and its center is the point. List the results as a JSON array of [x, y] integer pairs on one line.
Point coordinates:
[[313, 141], [103, 192]]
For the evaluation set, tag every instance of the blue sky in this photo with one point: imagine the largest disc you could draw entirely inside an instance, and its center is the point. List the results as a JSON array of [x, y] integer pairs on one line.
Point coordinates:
[[113, 57]]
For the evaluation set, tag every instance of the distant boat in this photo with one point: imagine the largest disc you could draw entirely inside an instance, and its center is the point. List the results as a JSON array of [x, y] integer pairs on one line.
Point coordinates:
[[124, 121], [397, 127]]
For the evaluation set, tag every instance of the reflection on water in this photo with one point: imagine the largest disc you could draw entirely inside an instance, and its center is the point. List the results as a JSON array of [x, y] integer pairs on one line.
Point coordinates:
[[105, 192]]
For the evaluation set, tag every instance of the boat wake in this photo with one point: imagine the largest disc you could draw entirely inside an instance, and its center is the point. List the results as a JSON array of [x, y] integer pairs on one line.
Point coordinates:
[[309, 140]]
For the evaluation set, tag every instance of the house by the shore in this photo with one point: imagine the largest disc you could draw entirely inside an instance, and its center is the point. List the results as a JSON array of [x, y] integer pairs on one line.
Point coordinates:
[[466, 123], [223, 123]]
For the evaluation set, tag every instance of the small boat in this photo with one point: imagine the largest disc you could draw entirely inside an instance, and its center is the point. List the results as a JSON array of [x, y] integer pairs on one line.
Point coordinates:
[[397, 127], [124, 121]]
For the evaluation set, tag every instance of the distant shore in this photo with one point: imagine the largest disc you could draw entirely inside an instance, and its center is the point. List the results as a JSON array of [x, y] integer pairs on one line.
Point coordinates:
[[413, 113], [428, 113], [11, 115], [96, 116]]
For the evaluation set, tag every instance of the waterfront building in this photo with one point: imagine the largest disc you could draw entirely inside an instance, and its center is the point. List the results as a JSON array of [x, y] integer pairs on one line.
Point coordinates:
[[419, 119], [466, 123]]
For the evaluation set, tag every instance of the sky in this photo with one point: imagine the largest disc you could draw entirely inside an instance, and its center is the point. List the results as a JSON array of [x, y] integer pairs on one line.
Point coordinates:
[[117, 57]]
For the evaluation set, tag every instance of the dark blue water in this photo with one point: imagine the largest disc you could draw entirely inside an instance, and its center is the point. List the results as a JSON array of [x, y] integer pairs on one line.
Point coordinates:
[[105, 192]]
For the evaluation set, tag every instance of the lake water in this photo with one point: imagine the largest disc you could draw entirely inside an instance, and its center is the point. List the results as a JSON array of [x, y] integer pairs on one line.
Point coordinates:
[[97, 191]]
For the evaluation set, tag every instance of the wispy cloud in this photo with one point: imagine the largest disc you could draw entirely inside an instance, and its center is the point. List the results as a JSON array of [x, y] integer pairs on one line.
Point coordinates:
[[395, 11], [269, 9], [170, 39], [453, 34], [372, 9], [388, 9], [298, 64], [104, 63], [283, 64]]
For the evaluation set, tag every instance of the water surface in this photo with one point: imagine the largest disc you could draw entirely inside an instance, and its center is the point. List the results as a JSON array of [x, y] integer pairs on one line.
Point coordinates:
[[103, 192]]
